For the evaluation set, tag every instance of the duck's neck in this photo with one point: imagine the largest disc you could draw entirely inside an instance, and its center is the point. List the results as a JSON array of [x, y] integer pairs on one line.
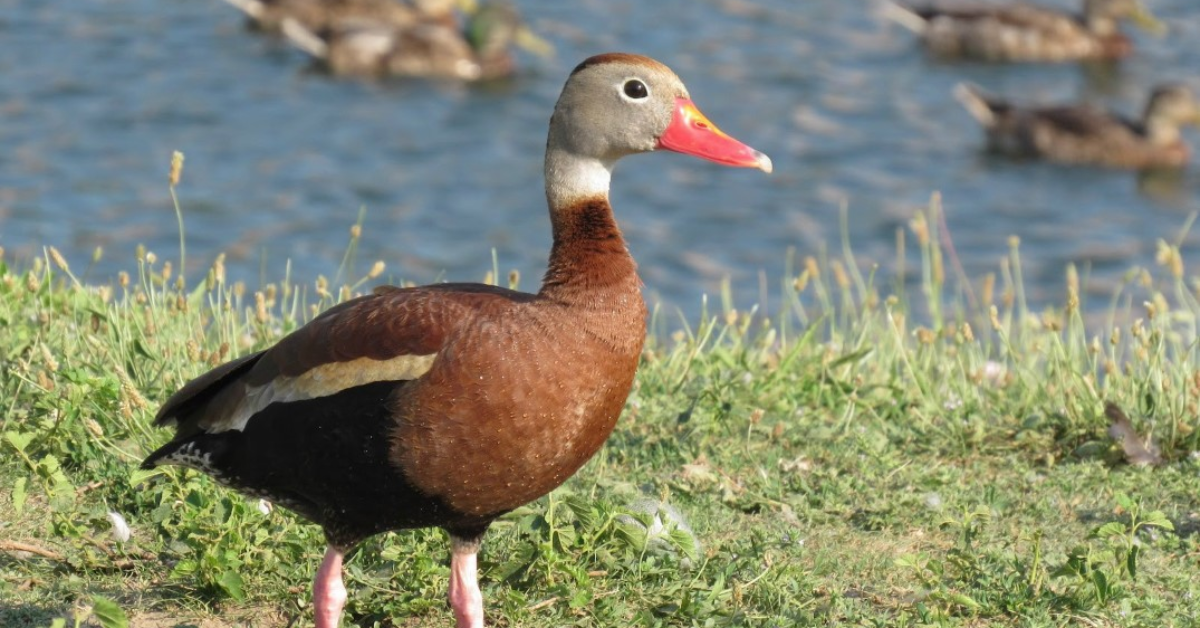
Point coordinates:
[[1098, 18], [590, 268], [571, 178], [1161, 131], [1101, 25], [1158, 125]]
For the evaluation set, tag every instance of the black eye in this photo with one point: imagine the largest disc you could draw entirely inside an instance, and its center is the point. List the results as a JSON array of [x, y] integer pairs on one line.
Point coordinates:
[[636, 89]]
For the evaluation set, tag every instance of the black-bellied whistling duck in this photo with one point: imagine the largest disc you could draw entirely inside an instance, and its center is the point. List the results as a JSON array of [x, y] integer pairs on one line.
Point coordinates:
[[1024, 32], [449, 405], [480, 50], [1081, 134]]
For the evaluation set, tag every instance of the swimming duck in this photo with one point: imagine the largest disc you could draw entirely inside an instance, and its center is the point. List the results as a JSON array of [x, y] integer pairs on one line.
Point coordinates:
[[371, 48], [449, 405], [1082, 134], [316, 15], [1024, 32]]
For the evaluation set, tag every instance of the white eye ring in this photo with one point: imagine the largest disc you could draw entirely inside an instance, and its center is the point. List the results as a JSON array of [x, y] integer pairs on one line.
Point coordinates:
[[634, 89]]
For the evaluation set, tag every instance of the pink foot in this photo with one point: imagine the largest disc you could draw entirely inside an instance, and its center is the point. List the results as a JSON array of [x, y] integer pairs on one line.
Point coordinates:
[[465, 598], [329, 594]]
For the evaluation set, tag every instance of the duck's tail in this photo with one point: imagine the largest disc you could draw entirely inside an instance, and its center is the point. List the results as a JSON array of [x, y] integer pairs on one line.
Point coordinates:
[[253, 8], [303, 38], [903, 16], [977, 103]]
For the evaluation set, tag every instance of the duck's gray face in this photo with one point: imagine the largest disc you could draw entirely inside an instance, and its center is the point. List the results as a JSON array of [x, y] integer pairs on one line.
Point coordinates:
[[1175, 104], [616, 105]]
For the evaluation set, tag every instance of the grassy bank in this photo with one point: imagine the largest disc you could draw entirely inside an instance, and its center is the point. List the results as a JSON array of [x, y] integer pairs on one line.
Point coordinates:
[[869, 456]]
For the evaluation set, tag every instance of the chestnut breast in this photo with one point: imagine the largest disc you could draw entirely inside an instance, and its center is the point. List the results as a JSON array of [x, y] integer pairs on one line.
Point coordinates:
[[517, 401]]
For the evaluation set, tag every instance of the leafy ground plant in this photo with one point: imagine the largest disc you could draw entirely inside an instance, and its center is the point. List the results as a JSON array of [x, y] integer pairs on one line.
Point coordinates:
[[932, 453]]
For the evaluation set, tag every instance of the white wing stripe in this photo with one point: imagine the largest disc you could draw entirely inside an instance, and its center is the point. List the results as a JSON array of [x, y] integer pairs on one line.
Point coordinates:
[[323, 381]]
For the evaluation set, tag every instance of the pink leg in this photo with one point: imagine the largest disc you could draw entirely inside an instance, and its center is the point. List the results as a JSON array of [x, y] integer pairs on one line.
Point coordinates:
[[329, 594], [465, 598]]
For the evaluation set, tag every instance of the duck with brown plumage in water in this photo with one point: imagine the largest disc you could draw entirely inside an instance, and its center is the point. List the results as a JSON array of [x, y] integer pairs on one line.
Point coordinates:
[[482, 49], [1082, 134]]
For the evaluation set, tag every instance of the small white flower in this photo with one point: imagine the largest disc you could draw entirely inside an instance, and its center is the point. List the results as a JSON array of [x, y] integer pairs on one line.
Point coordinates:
[[933, 501], [120, 530], [264, 506]]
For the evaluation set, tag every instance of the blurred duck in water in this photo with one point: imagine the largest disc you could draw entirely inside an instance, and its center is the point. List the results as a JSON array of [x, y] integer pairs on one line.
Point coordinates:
[[1024, 32], [481, 50], [1080, 134], [317, 15]]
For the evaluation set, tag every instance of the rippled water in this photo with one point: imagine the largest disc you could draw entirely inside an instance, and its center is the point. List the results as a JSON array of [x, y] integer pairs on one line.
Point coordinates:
[[96, 94]]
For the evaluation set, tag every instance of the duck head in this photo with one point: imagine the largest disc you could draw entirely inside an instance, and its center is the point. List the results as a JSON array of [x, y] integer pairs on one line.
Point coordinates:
[[494, 26], [617, 104], [1170, 107], [620, 104], [1102, 16]]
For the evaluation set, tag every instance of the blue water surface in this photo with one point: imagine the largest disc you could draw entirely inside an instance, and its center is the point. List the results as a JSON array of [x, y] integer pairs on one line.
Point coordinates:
[[96, 94]]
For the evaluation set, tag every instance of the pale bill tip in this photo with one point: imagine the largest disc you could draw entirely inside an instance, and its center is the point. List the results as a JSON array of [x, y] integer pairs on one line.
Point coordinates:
[[764, 162]]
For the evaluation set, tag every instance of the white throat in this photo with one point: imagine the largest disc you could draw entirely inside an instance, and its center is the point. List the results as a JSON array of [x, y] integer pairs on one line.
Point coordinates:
[[571, 178]]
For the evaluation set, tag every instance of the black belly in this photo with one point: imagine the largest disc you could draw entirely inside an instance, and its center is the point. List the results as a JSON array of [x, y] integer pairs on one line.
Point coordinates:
[[327, 459]]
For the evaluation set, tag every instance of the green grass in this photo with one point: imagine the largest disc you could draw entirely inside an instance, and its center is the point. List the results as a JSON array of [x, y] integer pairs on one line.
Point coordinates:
[[868, 456]]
